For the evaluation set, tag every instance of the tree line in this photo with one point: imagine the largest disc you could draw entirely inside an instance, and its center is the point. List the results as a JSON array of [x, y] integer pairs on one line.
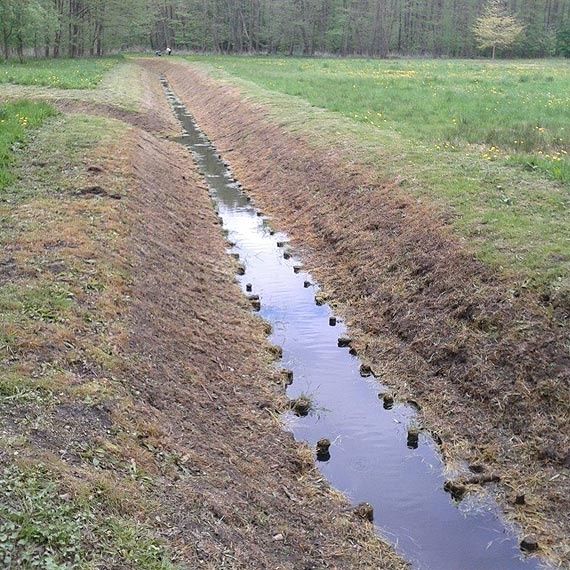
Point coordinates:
[[376, 28]]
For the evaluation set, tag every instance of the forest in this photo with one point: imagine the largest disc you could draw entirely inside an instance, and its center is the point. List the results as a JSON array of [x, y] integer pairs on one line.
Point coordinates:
[[370, 28]]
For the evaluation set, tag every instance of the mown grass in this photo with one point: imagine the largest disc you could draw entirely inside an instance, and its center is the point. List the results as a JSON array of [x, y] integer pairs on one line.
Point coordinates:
[[506, 108], [58, 312], [510, 203], [16, 119], [60, 73]]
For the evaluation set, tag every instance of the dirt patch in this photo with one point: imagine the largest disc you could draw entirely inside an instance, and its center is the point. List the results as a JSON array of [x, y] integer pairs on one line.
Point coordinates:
[[489, 366]]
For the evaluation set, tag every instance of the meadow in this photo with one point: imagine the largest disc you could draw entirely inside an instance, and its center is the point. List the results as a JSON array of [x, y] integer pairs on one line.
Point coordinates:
[[60, 73], [486, 141], [18, 117], [15, 121], [489, 139], [518, 111]]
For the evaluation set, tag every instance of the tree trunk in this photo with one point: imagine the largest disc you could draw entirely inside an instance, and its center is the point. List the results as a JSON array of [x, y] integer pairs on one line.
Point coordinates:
[[6, 39], [20, 47]]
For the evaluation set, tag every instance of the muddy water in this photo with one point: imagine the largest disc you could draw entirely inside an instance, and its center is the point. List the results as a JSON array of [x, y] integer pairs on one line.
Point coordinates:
[[371, 458]]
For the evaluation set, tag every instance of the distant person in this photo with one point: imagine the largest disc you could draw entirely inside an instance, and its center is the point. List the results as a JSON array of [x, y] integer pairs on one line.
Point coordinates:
[[168, 51], [158, 52]]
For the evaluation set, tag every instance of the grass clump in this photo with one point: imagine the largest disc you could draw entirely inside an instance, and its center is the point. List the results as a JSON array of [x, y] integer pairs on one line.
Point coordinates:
[[60, 73], [44, 526], [554, 166], [37, 528], [16, 386], [47, 303], [16, 119]]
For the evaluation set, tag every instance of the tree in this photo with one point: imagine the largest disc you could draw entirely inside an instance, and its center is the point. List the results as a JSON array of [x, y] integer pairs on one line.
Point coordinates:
[[563, 41], [496, 27]]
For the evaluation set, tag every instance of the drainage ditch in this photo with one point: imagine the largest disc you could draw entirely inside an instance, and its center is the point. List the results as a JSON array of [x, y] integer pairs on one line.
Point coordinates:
[[368, 446]]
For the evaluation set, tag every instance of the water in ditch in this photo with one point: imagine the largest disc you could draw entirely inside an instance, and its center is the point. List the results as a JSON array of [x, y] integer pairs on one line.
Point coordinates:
[[371, 457]]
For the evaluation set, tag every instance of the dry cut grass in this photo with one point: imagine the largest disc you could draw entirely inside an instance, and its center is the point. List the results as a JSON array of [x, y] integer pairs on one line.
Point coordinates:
[[128, 439]]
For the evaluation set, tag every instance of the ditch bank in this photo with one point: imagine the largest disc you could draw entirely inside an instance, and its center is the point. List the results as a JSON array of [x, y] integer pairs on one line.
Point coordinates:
[[246, 494], [488, 366], [139, 401]]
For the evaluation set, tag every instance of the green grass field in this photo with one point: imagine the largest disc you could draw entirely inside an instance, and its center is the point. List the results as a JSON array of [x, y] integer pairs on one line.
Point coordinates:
[[514, 110], [487, 139], [61, 73], [15, 121]]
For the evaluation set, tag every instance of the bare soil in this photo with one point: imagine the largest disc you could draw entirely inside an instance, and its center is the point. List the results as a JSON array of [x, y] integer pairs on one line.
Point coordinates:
[[489, 366]]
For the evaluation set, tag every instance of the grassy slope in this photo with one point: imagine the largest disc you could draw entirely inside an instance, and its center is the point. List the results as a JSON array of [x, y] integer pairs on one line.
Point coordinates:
[[56, 309], [447, 130], [86, 470], [47, 518]]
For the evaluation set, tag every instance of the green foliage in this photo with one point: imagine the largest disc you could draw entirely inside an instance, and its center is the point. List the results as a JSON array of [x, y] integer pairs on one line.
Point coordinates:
[[15, 121], [61, 73], [563, 41], [93, 27], [20, 21], [37, 528], [72, 28], [496, 27], [46, 528]]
